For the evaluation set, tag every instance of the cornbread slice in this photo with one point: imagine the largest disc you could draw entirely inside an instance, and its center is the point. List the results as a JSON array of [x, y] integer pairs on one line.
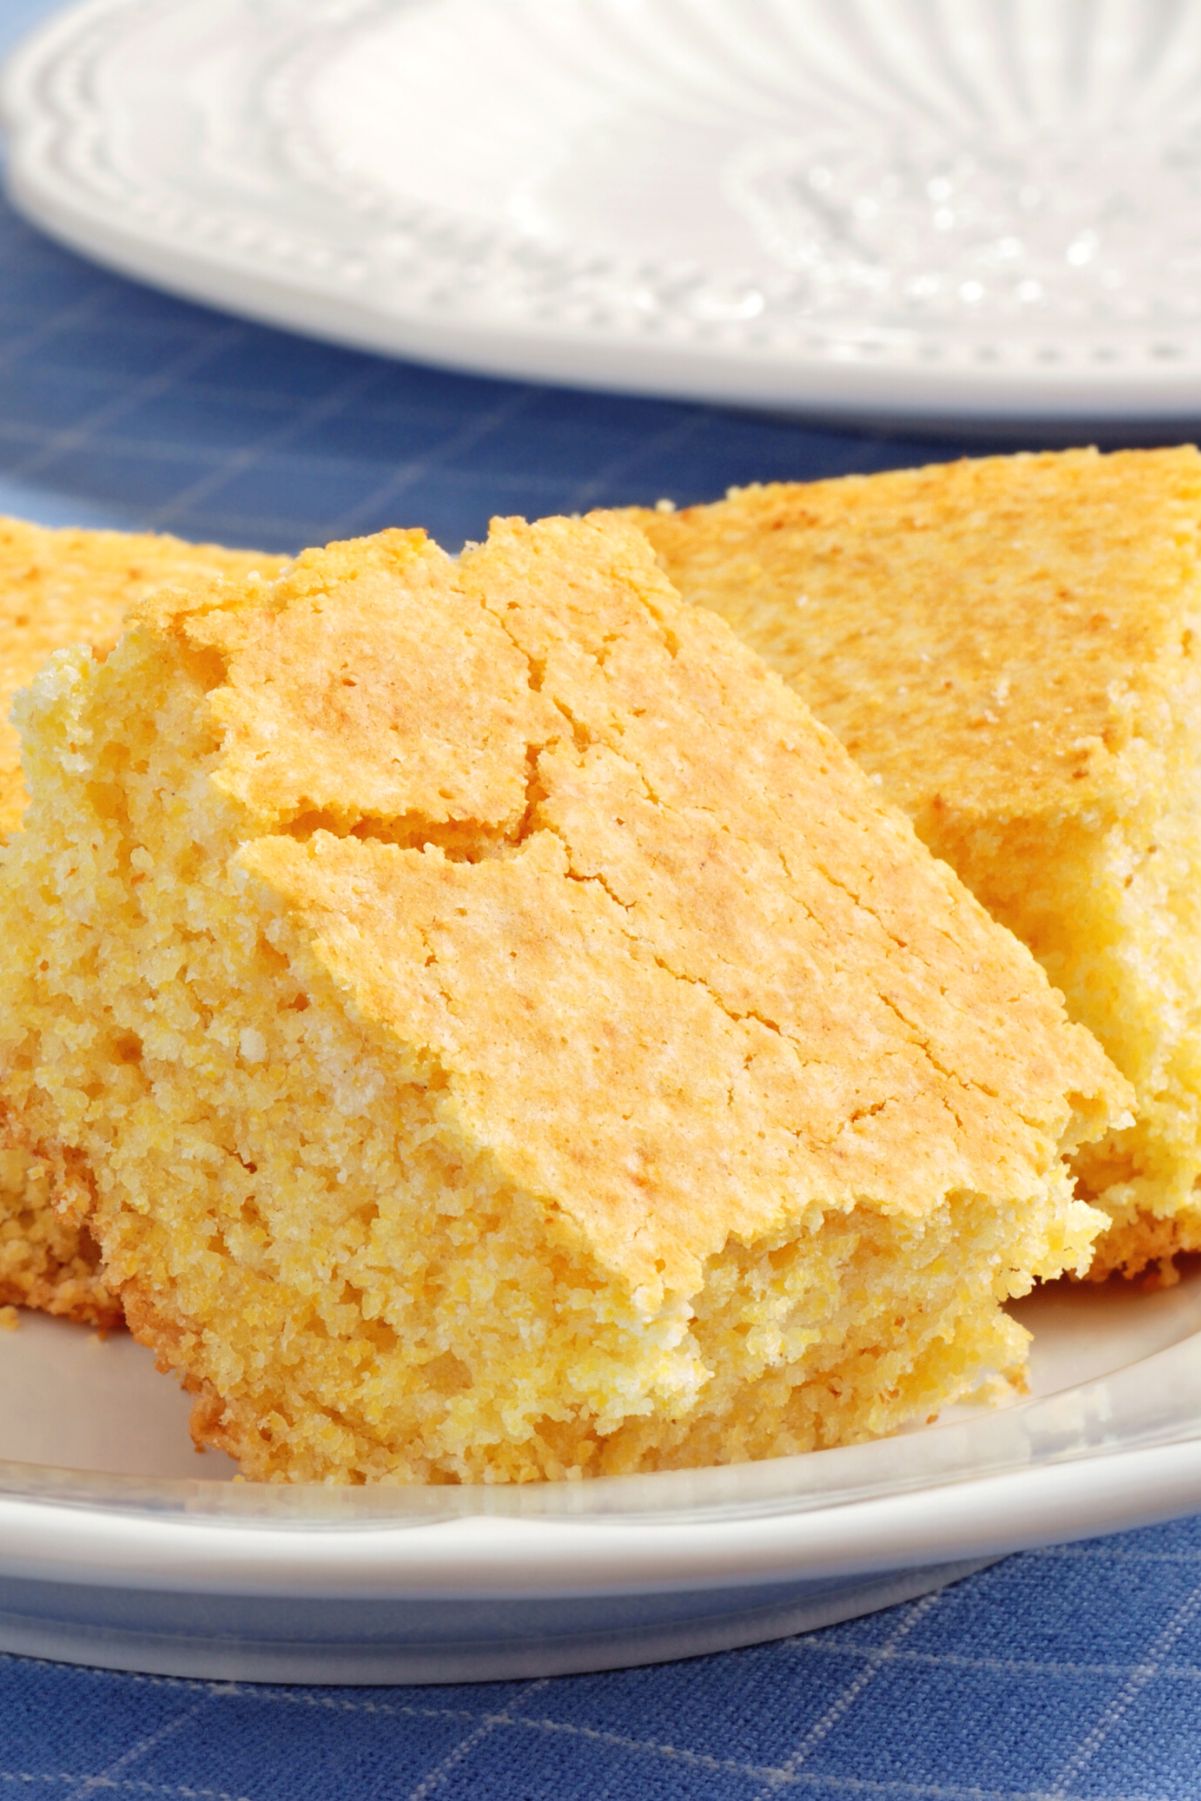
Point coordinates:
[[59, 588], [498, 1034], [1010, 646]]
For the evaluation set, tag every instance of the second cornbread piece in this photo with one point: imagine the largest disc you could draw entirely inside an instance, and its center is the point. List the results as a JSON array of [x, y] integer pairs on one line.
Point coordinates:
[[62, 587], [500, 1034], [1011, 646]]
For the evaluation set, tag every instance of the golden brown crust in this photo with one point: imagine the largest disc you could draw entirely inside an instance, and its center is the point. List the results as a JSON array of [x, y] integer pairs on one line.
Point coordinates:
[[1008, 645], [990, 632], [60, 587], [328, 721], [697, 851]]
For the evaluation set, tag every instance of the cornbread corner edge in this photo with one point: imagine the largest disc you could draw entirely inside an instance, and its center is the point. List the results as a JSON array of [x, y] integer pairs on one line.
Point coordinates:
[[1012, 646]]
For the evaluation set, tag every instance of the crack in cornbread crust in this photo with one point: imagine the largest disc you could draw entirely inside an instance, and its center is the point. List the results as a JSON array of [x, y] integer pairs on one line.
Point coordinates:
[[632, 681], [538, 1138], [62, 587], [1009, 645]]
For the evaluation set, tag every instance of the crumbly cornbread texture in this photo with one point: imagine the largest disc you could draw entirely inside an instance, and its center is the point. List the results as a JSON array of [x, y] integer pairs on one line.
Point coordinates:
[[498, 1034], [59, 588], [1010, 646]]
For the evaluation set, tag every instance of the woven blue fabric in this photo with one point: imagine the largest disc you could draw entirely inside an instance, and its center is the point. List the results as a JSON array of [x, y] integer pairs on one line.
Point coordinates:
[[1071, 1673]]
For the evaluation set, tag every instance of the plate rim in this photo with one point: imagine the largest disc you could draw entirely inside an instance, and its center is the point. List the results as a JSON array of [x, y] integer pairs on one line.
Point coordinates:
[[533, 349], [517, 1558]]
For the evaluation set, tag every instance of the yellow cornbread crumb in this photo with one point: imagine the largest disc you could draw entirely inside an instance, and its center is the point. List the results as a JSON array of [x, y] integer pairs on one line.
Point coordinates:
[[1010, 646], [59, 588], [496, 1033], [10, 1319]]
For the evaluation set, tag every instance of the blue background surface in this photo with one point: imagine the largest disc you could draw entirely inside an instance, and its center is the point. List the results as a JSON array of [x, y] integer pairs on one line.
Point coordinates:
[[1074, 1672]]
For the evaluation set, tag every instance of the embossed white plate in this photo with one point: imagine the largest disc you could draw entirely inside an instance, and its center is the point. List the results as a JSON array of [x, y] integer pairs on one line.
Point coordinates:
[[922, 208]]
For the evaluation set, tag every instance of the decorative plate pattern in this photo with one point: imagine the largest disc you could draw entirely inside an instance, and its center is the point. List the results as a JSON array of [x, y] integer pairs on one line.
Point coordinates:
[[938, 208]]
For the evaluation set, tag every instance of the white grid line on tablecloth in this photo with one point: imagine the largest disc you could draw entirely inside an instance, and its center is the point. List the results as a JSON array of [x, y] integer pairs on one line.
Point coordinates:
[[110, 1776], [673, 437], [433, 1779], [45, 329], [776, 1778], [102, 1785], [1100, 1551], [262, 400], [839, 1785], [1120, 1705], [836, 1647], [323, 407], [84, 431], [874, 1661], [310, 459], [413, 470]]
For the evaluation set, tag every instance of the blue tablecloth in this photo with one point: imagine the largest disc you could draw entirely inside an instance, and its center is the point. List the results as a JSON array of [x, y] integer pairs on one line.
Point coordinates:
[[1071, 1673]]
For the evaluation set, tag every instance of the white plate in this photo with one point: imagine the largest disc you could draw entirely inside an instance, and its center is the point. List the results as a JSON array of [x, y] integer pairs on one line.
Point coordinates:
[[138, 1555], [923, 208]]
